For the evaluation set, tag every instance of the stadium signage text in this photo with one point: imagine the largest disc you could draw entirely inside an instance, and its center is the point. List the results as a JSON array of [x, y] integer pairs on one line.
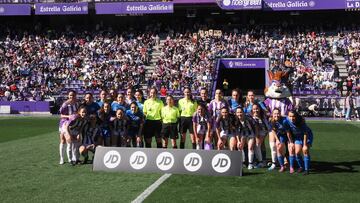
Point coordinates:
[[201, 162], [61, 8], [243, 63], [134, 8], [293, 5], [15, 9], [240, 4]]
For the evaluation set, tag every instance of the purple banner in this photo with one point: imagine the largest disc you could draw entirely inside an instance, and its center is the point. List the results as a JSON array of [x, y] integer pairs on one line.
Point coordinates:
[[243, 63], [61, 8], [134, 8], [295, 5], [27, 106], [15, 10], [240, 4], [193, 1]]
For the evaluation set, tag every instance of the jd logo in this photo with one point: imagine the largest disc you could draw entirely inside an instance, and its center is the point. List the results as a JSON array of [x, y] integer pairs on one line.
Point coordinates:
[[138, 160], [192, 162], [221, 163], [165, 161], [112, 159]]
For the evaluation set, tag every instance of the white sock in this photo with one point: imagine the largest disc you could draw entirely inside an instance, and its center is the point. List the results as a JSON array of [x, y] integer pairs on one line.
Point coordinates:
[[198, 145], [61, 151], [243, 155], [251, 157], [68, 151], [73, 150], [273, 151], [258, 153]]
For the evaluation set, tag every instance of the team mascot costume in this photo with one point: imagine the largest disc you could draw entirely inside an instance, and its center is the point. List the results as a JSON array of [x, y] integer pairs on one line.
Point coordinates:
[[278, 94]]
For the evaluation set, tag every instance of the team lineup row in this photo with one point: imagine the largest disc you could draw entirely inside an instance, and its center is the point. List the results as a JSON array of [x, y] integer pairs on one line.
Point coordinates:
[[127, 121]]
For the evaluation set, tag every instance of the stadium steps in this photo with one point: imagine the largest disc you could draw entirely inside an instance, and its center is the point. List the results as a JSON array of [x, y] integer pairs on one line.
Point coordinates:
[[340, 62], [149, 70]]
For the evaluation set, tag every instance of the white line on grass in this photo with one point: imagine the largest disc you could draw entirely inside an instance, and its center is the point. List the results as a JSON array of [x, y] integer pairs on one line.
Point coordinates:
[[151, 188]]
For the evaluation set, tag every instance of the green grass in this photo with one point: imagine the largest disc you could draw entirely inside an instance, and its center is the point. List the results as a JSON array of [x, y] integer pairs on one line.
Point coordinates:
[[29, 172]]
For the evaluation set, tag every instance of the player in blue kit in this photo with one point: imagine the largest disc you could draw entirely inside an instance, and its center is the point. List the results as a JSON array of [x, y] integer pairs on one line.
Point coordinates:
[[119, 104], [278, 131], [91, 106], [135, 122], [300, 136], [104, 115]]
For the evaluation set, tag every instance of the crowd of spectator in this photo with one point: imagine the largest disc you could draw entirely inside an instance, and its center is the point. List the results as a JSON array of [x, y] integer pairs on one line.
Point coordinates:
[[36, 66]]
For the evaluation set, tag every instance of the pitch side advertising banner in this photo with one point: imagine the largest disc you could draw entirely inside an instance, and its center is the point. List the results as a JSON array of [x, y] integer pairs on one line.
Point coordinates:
[[244, 63], [134, 8], [61, 8], [294, 5], [15, 9], [184, 161], [240, 4]]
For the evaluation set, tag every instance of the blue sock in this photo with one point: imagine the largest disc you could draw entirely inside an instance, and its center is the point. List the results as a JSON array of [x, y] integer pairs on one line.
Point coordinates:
[[307, 162], [299, 161], [291, 160], [281, 160]]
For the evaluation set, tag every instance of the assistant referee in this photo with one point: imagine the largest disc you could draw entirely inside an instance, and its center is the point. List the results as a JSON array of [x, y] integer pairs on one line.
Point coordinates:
[[152, 111]]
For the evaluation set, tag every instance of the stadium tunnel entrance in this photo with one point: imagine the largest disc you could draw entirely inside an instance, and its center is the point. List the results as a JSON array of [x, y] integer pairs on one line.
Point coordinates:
[[244, 74]]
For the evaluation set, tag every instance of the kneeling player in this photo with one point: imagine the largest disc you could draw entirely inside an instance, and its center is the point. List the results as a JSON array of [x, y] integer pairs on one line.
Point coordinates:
[[91, 132], [246, 132], [302, 139], [278, 132], [119, 130], [202, 126], [225, 129]]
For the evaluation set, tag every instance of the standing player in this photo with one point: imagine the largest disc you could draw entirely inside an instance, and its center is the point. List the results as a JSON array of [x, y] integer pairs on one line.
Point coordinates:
[[235, 100], [139, 99], [129, 98], [278, 132], [204, 97], [250, 101], [67, 109], [152, 112], [135, 124], [225, 129], [119, 104], [104, 115], [214, 111], [102, 98], [73, 129], [300, 136], [170, 116], [246, 131], [91, 106], [263, 125], [187, 107], [202, 126]]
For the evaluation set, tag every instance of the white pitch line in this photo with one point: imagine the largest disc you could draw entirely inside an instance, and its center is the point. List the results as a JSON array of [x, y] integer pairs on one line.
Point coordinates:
[[151, 188]]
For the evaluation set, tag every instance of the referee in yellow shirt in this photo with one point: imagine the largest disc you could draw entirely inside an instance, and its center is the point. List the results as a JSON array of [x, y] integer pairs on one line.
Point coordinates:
[[170, 115], [152, 111], [187, 107]]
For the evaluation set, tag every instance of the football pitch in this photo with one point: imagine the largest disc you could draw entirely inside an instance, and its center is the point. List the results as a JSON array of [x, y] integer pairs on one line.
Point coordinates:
[[30, 172]]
